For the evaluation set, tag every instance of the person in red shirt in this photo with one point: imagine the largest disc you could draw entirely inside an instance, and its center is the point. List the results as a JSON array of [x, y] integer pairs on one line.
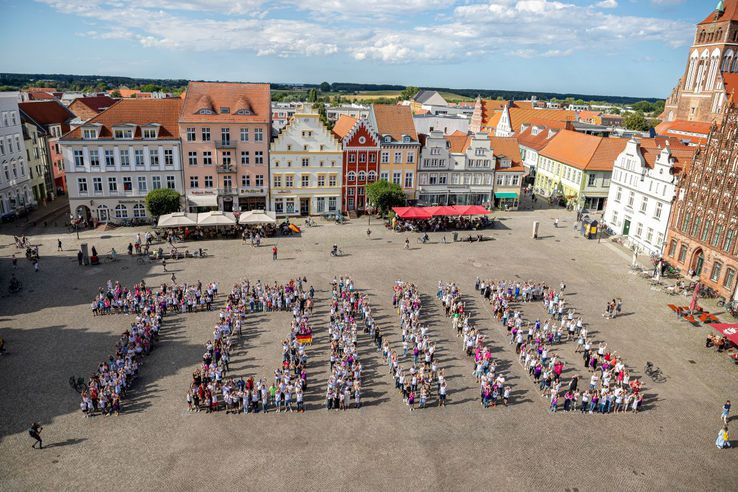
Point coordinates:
[[274, 252]]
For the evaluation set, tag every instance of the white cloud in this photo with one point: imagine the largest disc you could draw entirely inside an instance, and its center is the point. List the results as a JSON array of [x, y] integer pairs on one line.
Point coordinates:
[[525, 28], [669, 2], [607, 4]]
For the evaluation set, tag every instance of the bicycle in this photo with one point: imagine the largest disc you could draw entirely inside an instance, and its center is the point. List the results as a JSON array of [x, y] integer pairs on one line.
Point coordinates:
[[654, 373], [143, 259], [77, 384]]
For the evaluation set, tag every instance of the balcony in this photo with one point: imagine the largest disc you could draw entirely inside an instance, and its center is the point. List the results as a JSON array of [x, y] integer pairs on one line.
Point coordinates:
[[229, 190], [225, 144], [226, 169]]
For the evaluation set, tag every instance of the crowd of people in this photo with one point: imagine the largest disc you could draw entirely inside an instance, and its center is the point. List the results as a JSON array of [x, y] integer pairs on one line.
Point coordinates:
[[108, 386], [211, 388], [492, 383], [348, 309], [418, 381], [442, 223], [611, 388]]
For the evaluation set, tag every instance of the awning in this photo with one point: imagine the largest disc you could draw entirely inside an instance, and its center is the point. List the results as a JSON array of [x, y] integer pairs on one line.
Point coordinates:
[[177, 219], [203, 200], [215, 219], [506, 194], [730, 330]]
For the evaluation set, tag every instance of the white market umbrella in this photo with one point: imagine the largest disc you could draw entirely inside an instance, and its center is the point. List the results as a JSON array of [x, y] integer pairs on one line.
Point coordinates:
[[177, 219], [255, 217], [215, 218]]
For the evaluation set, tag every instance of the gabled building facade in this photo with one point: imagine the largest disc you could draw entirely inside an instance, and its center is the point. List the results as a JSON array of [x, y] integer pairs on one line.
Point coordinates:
[[117, 157], [400, 148], [34, 140], [361, 148], [306, 168], [226, 131], [16, 195], [644, 178]]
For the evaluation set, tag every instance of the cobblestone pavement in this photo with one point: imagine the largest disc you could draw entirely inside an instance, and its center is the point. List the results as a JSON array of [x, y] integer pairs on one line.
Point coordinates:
[[157, 444]]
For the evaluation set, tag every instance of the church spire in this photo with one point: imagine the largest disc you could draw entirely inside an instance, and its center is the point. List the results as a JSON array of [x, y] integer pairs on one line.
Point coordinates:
[[719, 9]]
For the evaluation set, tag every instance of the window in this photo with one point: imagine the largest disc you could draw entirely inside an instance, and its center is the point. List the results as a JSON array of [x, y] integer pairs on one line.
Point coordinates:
[[729, 277], [591, 179], [320, 204], [371, 176], [127, 183], [244, 134], [139, 211], [279, 205], [362, 158], [227, 159], [352, 158], [97, 185], [289, 205], [288, 181], [138, 157], [190, 134], [205, 134], [410, 158], [351, 191], [706, 230], [277, 180], [716, 235], [305, 181], [170, 182], [207, 158], [409, 179], [82, 185], [659, 209], [228, 183], [362, 176], [321, 181], [79, 159], [258, 135], [208, 181], [122, 134], [194, 182], [685, 222], [125, 158], [142, 184], [89, 134], [385, 157], [332, 203], [149, 133], [373, 158], [154, 157], [168, 157], [155, 182], [398, 157], [332, 180], [728, 245], [245, 180], [715, 273], [259, 180], [639, 230], [644, 205], [112, 185], [121, 212], [631, 199], [225, 136], [682, 253], [351, 176], [305, 162], [192, 158], [672, 248], [649, 235], [619, 194], [258, 157], [396, 177], [696, 226], [384, 175]]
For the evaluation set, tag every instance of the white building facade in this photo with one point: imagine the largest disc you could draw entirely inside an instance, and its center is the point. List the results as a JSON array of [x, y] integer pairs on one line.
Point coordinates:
[[305, 167], [644, 180], [16, 195]]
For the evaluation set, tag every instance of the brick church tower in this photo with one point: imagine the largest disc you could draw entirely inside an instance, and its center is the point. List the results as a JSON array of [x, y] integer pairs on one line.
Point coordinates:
[[711, 74]]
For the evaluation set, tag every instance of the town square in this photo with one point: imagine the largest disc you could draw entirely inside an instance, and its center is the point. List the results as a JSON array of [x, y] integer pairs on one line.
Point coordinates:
[[50, 334]]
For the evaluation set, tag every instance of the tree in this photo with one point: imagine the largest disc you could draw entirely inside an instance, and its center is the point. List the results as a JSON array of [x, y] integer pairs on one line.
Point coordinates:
[[115, 93], [150, 88], [384, 195], [312, 95], [636, 121], [162, 201], [643, 107], [325, 87], [408, 92]]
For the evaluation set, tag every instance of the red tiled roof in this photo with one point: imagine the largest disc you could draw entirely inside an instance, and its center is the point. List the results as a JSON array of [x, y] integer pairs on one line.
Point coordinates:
[[730, 13], [731, 85], [227, 95], [535, 142], [47, 112], [40, 89], [395, 121], [343, 125], [693, 131], [458, 142], [95, 103], [510, 148], [585, 152], [682, 154], [140, 112], [40, 96]]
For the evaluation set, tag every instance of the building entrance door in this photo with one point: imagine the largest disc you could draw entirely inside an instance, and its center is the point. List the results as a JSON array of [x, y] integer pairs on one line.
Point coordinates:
[[699, 263], [626, 227], [304, 206]]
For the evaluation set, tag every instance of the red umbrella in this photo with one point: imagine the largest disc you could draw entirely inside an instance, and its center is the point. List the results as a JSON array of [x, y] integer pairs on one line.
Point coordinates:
[[415, 213], [693, 303], [730, 330]]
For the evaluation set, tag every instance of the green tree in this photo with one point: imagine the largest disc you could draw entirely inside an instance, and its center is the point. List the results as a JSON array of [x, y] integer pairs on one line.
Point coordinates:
[[325, 87], [162, 201], [385, 195], [636, 121], [408, 92], [312, 95], [115, 93], [149, 88], [643, 107]]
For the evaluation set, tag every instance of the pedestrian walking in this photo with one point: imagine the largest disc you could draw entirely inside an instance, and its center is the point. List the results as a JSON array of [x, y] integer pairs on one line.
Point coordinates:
[[174, 278], [35, 265], [556, 222], [35, 432], [407, 243], [164, 264], [274, 253], [15, 262], [59, 245], [726, 411], [80, 256]]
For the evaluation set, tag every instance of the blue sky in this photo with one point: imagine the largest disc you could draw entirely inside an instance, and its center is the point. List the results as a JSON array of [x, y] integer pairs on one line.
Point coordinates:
[[613, 47]]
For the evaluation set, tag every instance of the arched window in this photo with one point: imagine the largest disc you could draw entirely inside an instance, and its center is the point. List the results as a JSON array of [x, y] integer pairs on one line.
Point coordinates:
[[701, 38], [121, 212], [735, 64], [717, 267], [6, 172], [139, 211], [362, 176], [712, 72], [727, 61], [351, 176], [372, 176]]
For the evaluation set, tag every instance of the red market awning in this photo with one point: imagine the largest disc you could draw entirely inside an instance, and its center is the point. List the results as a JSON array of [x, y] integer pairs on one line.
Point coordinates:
[[729, 330], [412, 213], [428, 212]]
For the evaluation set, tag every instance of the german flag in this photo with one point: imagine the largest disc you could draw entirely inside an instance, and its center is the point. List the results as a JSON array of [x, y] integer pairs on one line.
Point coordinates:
[[305, 339]]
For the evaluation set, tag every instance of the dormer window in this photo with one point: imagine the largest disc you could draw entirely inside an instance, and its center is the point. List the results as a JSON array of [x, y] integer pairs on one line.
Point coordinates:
[[387, 138], [406, 139], [225, 110], [150, 133], [205, 111], [123, 133], [89, 134], [244, 112]]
